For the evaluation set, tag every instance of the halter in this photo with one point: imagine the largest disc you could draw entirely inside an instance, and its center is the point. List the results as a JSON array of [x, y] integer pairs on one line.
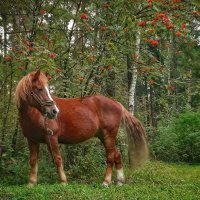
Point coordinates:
[[41, 102]]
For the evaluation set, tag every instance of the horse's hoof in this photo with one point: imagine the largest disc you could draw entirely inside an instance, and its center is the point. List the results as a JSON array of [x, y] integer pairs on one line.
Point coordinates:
[[63, 183], [105, 184], [30, 185], [119, 183]]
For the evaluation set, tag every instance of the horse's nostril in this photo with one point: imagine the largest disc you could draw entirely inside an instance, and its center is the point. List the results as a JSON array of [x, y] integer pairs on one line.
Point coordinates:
[[55, 111]]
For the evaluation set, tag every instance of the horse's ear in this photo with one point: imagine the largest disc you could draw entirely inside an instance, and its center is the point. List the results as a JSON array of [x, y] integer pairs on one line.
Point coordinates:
[[37, 74]]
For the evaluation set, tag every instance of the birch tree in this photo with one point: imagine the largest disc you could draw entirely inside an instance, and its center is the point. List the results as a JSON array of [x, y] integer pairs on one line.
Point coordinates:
[[133, 72]]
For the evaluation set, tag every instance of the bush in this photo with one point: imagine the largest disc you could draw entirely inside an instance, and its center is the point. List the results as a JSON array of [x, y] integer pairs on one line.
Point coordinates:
[[179, 139]]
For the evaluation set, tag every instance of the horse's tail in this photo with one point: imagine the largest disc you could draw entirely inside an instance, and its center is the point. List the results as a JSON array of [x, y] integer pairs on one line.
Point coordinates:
[[137, 143]]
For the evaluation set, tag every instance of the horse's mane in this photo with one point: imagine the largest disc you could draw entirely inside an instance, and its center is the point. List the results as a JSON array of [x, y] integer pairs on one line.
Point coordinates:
[[24, 86]]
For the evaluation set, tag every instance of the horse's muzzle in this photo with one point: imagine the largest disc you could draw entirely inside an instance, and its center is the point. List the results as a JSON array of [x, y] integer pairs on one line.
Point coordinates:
[[51, 112]]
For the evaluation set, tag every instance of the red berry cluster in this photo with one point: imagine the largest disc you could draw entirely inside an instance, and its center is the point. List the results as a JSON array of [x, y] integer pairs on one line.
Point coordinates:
[[153, 42]]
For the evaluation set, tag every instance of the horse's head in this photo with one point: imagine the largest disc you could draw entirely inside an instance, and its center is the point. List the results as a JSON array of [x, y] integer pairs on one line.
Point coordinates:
[[40, 96], [33, 90]]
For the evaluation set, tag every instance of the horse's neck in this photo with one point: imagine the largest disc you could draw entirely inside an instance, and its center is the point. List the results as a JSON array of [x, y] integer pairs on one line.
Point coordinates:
[[25, 110]]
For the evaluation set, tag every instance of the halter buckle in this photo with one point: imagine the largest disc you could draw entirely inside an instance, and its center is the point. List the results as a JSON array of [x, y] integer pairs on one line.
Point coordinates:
[[49, 132]]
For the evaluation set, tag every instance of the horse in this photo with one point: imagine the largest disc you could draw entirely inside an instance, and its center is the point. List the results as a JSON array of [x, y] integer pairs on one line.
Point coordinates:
[[54, 121]]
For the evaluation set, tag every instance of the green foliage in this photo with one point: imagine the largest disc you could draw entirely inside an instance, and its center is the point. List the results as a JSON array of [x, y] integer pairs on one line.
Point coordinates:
[[82, 160], [179, 139]]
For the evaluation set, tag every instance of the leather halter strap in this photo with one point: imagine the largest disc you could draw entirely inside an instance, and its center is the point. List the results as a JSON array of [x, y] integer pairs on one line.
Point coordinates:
[[41, 102]]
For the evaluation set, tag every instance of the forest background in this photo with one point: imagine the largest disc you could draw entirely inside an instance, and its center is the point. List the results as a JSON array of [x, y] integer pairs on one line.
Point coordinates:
[[144, 54]]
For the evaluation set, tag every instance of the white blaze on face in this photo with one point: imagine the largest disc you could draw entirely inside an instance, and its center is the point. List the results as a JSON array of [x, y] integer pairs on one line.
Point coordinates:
[[49, 96]]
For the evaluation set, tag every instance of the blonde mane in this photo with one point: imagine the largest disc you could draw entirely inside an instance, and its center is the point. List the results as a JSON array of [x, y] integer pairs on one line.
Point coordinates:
[[24, 86]]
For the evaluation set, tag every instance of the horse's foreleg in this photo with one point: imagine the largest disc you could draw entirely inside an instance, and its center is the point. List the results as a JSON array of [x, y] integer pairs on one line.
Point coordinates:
[[53, 146], [34, 150]]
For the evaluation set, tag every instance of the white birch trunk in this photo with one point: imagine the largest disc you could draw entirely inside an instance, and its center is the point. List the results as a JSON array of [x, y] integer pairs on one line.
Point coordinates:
[[169, 62], [134, 73]]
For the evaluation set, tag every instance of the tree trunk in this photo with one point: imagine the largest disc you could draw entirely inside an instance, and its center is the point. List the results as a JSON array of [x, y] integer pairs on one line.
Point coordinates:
[[7, 107], [5, 42], [152, 106], [147, 102], [132, 76]]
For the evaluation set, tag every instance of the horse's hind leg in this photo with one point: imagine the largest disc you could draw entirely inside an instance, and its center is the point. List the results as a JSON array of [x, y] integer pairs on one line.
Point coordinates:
[[53, 146], [34, 150], [119, 168], [113, 156], [109, 146], [108, 139]]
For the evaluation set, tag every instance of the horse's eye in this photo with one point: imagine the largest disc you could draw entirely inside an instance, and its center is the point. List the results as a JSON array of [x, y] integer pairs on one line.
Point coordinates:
[[40, 89]]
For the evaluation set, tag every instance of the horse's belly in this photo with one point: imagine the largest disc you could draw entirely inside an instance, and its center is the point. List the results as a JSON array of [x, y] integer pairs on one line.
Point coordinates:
[[77, 132]]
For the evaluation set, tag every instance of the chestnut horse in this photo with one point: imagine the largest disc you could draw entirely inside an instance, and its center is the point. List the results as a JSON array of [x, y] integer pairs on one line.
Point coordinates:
[[44, 119]]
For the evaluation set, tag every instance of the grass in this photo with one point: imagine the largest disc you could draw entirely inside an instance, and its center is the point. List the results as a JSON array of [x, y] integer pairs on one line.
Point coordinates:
[[156, 180]]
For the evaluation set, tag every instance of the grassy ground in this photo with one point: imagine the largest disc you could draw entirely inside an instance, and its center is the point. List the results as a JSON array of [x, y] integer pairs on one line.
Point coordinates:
[[156, 180]]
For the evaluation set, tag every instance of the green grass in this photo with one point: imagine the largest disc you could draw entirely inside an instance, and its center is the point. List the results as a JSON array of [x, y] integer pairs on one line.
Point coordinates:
[[156, 180]]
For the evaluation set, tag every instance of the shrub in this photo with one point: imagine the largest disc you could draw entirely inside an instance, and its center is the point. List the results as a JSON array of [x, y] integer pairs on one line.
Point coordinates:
[[179, 139]]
